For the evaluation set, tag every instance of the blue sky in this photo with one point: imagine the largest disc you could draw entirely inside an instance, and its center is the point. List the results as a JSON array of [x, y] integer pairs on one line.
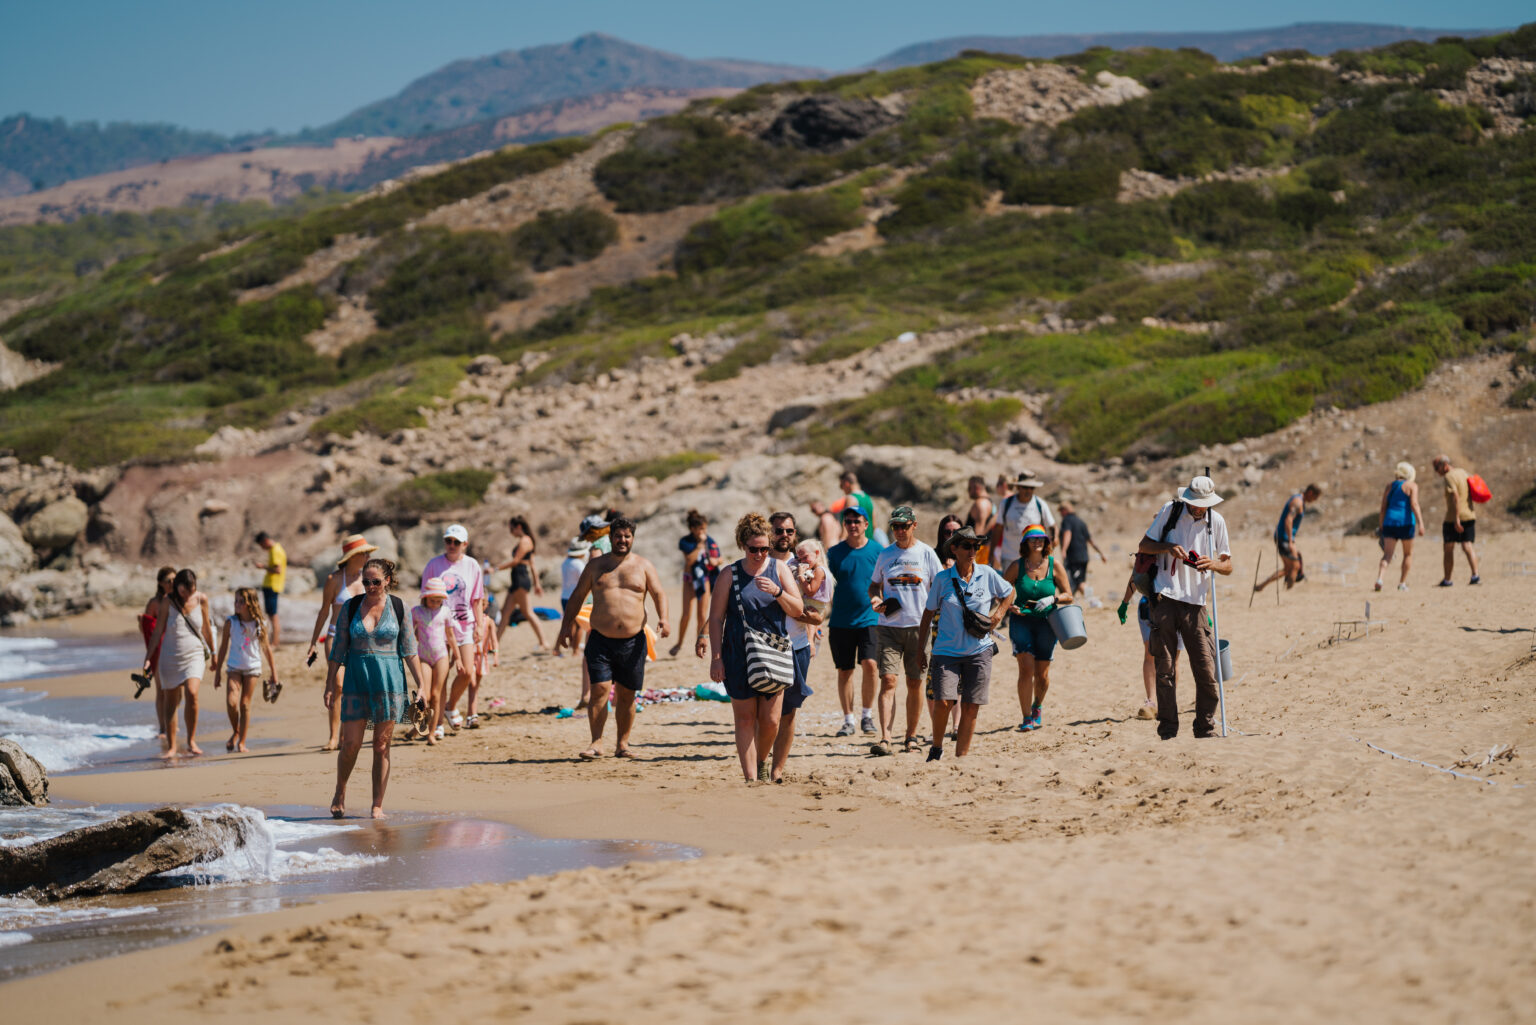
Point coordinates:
[[229, 66]]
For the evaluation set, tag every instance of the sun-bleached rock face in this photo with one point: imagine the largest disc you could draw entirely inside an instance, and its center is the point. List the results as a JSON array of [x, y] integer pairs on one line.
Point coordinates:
[[57, 524], [1047, 94], [16, 555], [22, 778]]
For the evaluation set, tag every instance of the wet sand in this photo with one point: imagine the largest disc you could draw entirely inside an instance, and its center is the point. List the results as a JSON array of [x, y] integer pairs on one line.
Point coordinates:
[[1086, 870]]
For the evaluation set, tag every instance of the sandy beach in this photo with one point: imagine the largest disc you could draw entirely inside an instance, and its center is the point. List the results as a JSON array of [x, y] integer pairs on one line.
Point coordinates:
[[1084, 871]]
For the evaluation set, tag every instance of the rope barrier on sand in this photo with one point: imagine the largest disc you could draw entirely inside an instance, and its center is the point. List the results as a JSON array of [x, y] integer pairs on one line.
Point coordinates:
[[1427, 765]]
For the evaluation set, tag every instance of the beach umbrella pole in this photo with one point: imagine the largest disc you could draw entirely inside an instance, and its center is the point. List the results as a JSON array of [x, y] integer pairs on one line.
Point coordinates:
[[1210, 553]]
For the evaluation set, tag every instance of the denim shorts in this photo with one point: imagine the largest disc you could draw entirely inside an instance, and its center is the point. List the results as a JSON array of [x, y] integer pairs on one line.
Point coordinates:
[[1032, 635]]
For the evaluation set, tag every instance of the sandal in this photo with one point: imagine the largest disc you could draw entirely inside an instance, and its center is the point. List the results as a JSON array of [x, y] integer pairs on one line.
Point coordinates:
[[472, 723], [591, 754], [880, 747]]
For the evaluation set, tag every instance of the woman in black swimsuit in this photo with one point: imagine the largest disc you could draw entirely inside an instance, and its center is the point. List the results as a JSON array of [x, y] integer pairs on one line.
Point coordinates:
[[525, 580]]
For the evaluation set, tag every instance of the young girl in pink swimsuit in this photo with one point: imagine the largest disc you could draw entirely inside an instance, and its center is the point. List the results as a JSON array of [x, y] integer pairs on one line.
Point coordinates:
[[433, 623]]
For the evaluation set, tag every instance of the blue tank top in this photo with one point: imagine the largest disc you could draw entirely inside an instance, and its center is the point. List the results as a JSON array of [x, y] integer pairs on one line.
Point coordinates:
[[1399, 509], [1280, 532]]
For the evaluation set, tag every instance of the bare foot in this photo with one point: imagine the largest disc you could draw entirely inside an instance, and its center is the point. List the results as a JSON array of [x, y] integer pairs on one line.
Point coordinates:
[[338, 807], [241, 747], [229, 745], [331, 745], [193, 748], [377, 813], [168, 753], [675, 649], [590, 754], [431, 740]]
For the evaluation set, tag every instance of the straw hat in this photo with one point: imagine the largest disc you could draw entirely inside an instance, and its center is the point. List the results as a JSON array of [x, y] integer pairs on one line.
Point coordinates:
[[1200, 493], [355, 544], [1027, 479], [1405, 471], [433, 587]]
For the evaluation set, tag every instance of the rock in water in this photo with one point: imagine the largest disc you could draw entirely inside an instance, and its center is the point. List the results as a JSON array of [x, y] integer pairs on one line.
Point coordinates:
[[116, 856], [22, 778]]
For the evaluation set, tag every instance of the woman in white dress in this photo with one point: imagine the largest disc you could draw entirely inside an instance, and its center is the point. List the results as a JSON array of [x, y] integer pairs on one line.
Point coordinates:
[[184, 639]]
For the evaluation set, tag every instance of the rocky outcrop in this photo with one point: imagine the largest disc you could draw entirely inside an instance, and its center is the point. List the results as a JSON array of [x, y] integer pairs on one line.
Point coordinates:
[[1047, 94], [46, 593], [926, 476], [15, 554], [117, 856], [830, 123], [22, 778], [57, 524]]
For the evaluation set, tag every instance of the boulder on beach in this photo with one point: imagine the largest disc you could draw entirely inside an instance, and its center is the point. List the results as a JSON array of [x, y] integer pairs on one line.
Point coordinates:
[[15, 554], [117, 856], [57, 524], [23, 780]]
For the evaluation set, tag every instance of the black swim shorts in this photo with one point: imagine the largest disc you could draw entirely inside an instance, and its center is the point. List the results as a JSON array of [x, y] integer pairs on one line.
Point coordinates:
[[621, 661], [851, 645], [1468, 532]]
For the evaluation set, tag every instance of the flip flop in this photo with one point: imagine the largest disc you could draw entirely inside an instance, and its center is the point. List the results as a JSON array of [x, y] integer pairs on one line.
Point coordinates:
[[627, 753], [591, 754]]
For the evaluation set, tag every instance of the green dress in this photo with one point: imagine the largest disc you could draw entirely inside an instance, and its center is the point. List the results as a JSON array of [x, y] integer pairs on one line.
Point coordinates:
[[373, 688]]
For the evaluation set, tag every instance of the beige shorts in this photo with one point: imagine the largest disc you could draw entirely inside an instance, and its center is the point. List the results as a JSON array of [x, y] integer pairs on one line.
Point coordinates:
[[898, 651], [965, 678]]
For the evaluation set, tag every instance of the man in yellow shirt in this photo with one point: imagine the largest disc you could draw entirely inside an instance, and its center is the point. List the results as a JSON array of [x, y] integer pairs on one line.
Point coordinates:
[[1460, 527], [276, 567]]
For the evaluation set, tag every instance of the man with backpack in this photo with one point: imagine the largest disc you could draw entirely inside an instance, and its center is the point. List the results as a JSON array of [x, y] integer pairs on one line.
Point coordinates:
[[1018, 511], [1178, 581], [1460, 526]]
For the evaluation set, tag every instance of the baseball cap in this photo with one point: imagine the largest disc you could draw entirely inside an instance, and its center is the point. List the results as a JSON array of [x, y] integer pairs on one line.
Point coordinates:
[[903, 514], [854, 511], [456, 532]]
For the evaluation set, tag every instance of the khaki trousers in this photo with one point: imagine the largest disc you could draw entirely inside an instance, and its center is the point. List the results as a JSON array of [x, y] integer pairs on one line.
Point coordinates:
[[1172, 620]]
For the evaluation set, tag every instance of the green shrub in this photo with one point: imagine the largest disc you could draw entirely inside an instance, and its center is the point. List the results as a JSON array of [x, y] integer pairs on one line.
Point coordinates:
[[438, 492], [564, 238], [905, 415], [661, 467], [931, 202], [677, 160], [392, 399], [447, 272], [768, 229]]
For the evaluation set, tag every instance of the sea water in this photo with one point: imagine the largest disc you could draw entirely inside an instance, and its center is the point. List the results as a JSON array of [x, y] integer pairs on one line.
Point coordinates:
[[293, 855]]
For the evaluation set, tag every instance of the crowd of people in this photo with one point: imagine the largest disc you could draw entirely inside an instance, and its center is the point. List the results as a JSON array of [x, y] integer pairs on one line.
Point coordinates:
[[901, 614]]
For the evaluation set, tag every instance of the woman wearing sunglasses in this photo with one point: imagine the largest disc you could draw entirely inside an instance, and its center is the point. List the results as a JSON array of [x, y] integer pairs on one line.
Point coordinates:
[[374, 644], [754, 592]]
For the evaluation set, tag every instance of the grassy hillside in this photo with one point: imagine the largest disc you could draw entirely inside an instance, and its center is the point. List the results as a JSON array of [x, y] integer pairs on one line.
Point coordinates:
[[1391, 231]]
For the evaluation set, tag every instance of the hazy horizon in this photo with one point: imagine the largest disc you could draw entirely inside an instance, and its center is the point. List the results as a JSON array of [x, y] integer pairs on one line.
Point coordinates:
[[286, 65]]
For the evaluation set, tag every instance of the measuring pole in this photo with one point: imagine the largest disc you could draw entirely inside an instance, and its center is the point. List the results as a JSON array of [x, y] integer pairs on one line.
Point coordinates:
[[1210, 553]]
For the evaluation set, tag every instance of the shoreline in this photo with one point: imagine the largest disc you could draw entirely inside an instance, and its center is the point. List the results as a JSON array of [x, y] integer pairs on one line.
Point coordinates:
[[1088, 863]]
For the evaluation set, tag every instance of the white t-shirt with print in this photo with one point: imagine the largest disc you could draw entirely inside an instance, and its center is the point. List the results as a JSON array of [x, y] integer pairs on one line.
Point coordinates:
[[1016, 514], [906, 574], [1179, 580], [466, 586]]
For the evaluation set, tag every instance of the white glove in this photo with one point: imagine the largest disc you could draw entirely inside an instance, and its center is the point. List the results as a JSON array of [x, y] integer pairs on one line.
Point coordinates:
[[1045, 603]]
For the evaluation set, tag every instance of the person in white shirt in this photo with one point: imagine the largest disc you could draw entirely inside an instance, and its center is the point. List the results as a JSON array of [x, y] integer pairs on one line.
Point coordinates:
[[576, 555], [1016, 512], [1189, 537], [898, 591]]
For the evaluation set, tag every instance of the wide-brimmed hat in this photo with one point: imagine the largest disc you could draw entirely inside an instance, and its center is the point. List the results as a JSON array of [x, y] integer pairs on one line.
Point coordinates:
[[1027, 479], [355, 544], [577, 548], [456, 532], [1200, 493], [433, 587], [965, 533]]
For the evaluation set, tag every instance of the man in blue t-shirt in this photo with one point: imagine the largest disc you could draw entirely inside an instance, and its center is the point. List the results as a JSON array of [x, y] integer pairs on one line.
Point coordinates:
[[851, 627]]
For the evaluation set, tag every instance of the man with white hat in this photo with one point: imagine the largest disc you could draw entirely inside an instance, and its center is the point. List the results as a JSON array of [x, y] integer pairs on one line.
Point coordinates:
[[1180, 531], [466, 599], [1018, 511]]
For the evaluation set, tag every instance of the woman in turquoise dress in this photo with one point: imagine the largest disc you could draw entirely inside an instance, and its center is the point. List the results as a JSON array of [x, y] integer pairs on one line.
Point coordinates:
[[374, 644]]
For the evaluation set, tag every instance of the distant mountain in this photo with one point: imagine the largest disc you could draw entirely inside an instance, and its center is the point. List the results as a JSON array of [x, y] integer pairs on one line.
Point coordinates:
[[37, 153], [1314, 37], [515, 80]]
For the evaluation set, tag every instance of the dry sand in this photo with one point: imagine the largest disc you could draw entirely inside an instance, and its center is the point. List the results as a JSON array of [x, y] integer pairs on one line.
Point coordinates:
[[1085, 871]]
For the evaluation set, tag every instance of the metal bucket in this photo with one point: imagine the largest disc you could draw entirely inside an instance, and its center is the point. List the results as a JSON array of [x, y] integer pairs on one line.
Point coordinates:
[[1224, 654], [1067, 624]]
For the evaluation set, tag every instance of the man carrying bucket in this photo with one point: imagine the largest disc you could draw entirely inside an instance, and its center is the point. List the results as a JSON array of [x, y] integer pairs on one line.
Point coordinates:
[[1182, 584]]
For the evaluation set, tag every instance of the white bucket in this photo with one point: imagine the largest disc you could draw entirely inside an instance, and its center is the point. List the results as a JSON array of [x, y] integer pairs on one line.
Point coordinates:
[[1224, 654], [1067, 624]]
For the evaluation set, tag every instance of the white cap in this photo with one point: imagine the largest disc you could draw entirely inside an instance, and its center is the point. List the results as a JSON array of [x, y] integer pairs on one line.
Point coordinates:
[[457, 532]]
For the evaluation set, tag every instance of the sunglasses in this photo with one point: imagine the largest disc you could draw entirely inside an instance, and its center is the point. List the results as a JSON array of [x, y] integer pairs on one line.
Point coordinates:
[[901, 526], [969, 546], [372, 583], [753, 550], [452, 541], [785, 531]]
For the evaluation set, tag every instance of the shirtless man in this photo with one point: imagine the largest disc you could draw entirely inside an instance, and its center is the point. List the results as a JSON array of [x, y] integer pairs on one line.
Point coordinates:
[[618, 582]]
